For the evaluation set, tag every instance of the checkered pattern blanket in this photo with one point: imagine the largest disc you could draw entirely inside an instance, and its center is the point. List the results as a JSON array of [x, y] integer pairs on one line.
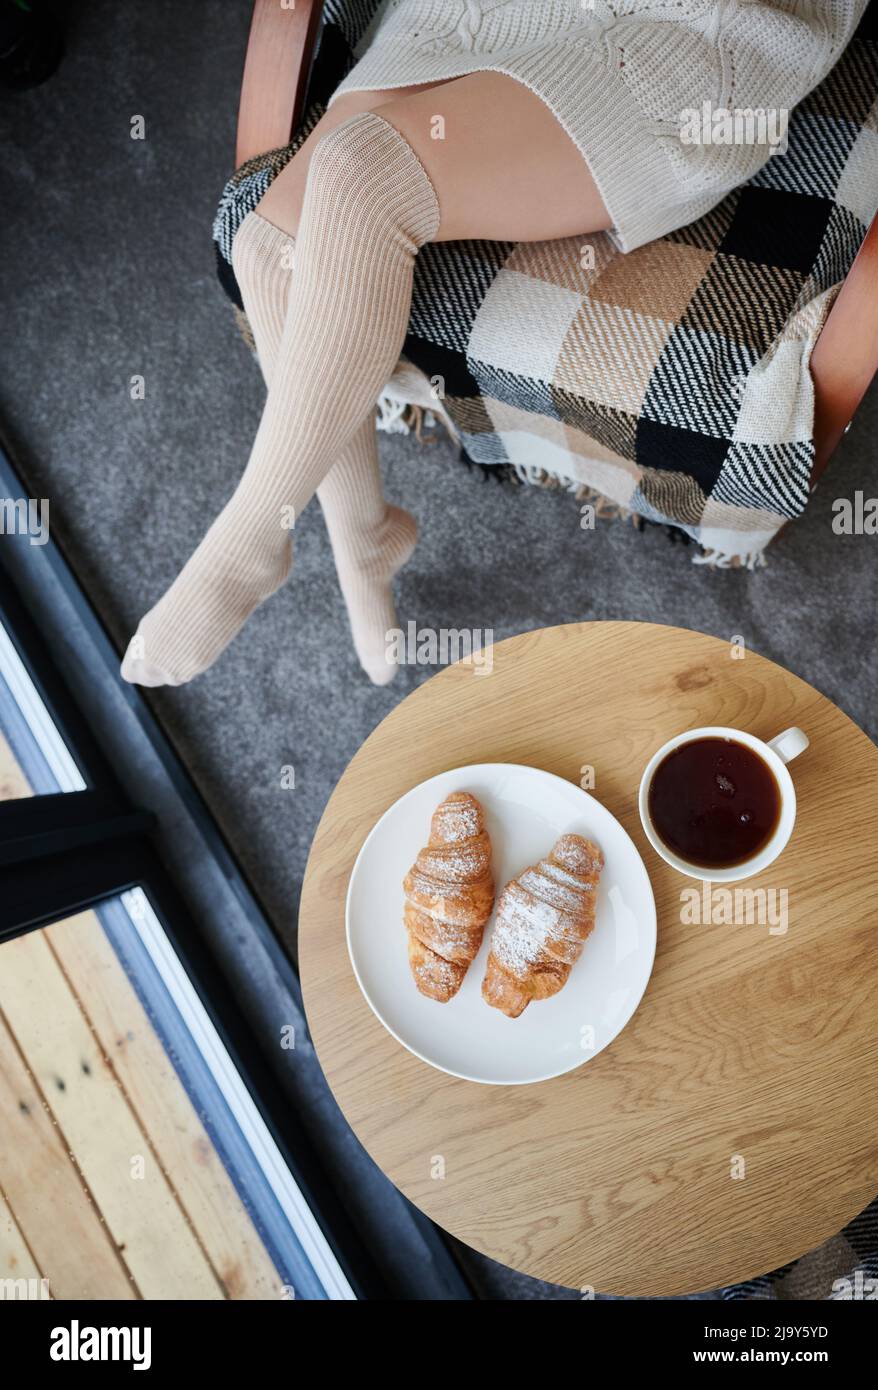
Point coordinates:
[[673, 381]]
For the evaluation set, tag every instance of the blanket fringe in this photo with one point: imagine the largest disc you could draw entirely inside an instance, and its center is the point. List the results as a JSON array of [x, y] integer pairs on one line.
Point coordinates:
[[393, 415], [242, 323], [724, 560], [604, 508], [397, 416]]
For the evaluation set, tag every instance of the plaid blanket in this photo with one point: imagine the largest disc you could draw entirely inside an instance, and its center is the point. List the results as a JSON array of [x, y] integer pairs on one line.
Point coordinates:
[[673, 381]]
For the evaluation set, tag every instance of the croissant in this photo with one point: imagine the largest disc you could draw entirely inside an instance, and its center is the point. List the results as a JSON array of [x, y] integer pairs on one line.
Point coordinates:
[[543, 919], [449, 896]]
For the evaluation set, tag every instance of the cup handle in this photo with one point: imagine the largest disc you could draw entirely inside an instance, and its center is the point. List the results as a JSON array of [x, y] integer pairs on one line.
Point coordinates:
[[789, 744]]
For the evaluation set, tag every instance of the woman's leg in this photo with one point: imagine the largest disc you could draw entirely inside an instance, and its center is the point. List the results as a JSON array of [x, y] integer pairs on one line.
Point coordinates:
[[295, 174], [502, 166], [370, 539], [376, 191]]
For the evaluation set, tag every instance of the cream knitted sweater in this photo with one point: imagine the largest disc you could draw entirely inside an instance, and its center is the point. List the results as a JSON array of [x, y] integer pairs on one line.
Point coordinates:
[[649, 90]]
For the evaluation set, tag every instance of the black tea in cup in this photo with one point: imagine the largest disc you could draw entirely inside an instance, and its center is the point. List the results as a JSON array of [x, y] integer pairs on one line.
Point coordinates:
[[714, 802]]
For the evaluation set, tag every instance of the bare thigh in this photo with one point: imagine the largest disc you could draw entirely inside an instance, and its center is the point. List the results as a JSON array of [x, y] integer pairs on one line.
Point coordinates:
[[503, 167]]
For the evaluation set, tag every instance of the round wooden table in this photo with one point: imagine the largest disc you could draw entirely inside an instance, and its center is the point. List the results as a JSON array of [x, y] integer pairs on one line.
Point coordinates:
[[733, 1124]]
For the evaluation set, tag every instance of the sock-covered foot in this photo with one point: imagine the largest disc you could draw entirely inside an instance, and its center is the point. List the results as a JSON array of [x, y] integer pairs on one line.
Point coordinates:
[[230, 573], [366, 574]]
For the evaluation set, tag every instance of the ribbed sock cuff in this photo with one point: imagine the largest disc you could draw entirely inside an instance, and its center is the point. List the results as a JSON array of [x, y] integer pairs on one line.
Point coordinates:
[[383, 156]]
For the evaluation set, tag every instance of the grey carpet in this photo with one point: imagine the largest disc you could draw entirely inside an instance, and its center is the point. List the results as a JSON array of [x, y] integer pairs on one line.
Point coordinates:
[[108, 272]]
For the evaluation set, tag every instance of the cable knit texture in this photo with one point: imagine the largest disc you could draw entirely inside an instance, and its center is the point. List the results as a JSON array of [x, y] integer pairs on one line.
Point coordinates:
[[368, 206], [370, 540], [618, 77]]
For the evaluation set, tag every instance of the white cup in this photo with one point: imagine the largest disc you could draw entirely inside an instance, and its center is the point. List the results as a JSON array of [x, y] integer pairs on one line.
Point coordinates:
[[776, 754]]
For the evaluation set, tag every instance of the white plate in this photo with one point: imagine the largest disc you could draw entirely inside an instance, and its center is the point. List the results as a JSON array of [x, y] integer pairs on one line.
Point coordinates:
[[526, 810]]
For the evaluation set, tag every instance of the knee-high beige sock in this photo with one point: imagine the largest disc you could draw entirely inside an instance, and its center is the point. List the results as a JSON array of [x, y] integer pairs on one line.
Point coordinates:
[[370, 539], [369, 205]]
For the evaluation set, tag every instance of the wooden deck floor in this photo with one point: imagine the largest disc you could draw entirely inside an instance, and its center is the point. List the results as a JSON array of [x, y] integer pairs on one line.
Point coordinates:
[[110, 1187]]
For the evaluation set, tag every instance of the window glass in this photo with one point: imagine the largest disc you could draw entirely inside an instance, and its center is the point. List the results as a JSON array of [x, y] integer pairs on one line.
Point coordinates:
[[33, 756], [133, 1162]]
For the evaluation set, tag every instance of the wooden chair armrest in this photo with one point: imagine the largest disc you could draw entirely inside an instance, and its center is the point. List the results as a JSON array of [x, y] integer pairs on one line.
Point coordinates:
[[845, 356], [276, 69]]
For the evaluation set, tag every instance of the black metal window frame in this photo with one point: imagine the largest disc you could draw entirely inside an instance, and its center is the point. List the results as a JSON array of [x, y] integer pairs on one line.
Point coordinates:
[[64, 851]]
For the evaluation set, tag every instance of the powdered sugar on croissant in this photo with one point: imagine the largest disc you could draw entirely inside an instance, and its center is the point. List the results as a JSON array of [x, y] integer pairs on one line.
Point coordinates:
[[543, 919], [449, 896]]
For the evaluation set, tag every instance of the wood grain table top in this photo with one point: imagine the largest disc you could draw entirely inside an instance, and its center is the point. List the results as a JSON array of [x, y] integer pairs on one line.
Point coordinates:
[[733, 1124]]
